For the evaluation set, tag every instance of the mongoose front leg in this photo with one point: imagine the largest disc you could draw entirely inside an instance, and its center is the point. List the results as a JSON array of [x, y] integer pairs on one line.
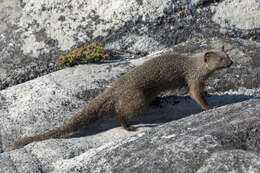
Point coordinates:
[[196, 92]]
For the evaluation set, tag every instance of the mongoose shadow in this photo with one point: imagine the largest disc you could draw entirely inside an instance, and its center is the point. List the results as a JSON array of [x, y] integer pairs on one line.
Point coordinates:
[[164, 109], [208, 3], [134, 91]]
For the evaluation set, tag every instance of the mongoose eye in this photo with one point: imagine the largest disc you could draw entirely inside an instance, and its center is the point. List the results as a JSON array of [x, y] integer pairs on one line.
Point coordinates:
[[206, 57], [207, 54]]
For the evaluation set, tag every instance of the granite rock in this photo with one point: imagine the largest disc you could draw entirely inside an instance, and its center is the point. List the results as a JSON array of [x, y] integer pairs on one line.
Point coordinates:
[[33, 34]]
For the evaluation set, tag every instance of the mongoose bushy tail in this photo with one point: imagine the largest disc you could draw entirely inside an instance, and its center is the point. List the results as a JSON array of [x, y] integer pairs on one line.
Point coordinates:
[[135, 90], [97, 108]]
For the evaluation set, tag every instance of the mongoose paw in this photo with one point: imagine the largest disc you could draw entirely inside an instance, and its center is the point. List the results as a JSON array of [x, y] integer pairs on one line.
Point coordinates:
[[210, 107], [131, 128]]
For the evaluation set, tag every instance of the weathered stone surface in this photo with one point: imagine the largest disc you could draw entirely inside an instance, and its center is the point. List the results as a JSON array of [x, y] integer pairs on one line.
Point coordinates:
[[241, 11], [221, 140], [33, 34], [174, 136], [194, 144]]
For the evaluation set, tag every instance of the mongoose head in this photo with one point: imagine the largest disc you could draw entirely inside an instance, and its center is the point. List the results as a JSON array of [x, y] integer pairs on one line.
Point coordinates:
[[215, 60]]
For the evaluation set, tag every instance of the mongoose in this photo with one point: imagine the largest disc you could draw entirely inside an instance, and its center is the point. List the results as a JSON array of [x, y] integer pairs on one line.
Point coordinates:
[[135, 90]]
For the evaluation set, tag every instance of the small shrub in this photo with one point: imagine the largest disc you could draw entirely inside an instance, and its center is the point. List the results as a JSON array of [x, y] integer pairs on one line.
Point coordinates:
[[94, 52]]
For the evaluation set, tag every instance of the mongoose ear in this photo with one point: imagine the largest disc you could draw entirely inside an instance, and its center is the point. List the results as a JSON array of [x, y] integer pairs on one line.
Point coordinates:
[[206, 57]]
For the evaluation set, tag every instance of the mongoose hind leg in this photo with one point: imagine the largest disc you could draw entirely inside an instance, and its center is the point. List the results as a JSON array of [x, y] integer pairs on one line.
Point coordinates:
[[130, 105]]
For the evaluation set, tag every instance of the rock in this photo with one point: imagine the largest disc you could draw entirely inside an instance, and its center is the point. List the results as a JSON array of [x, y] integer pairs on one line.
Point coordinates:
[[34, 34], [233, 160], [212, 141], [220, 140], [173, 134], [41, 103], [242, 15]]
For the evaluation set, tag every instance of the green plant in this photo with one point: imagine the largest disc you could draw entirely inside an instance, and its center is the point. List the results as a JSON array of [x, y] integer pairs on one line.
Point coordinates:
[[94, 52]]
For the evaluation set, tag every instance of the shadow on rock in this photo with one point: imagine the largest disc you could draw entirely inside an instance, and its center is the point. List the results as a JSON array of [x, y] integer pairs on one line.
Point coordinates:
[[163, 110]]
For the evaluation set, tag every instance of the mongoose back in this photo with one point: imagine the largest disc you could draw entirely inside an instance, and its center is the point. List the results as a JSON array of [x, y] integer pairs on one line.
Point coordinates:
[[135, 90]]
